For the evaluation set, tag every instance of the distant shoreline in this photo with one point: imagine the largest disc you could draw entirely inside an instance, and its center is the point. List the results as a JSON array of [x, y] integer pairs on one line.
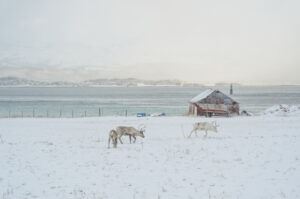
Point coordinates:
[[143, 86]]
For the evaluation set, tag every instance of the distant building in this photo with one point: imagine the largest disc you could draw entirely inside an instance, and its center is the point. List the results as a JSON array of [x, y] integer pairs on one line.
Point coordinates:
[[213, 102]]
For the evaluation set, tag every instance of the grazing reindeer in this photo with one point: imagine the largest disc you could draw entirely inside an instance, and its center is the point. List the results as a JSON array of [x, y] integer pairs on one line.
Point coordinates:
[[130, 131], [204, 126], [113, 136]]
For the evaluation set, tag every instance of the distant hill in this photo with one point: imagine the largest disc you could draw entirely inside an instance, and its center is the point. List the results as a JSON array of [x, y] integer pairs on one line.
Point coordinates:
[[129, 82], [21, 82]]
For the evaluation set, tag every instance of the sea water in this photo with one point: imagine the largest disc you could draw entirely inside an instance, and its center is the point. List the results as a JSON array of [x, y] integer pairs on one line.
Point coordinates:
[[110, 101]]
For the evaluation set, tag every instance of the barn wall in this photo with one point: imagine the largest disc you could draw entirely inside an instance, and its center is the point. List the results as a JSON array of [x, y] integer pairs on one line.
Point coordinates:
[[220, 107]]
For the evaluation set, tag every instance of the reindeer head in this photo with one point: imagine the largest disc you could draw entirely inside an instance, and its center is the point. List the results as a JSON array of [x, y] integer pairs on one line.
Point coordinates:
[[142, 128]]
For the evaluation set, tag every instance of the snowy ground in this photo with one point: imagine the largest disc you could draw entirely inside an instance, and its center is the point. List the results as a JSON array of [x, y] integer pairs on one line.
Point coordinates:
[[250, 157]]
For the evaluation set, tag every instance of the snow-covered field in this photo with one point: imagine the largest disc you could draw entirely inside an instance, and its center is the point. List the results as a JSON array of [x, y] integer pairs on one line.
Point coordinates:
[[250, 157]]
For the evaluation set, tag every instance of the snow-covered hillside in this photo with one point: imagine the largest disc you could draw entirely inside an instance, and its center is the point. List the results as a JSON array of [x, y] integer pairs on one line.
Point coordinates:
[[250, 157]]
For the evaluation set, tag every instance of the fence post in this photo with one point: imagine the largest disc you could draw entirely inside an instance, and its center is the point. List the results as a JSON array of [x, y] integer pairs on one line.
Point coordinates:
[[9, 113], [99, 112], [22, 114], [84, 113], [126, 113], [33, 113]]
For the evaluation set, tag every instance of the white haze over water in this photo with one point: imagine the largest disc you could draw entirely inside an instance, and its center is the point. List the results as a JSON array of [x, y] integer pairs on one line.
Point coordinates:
[[250, 42]]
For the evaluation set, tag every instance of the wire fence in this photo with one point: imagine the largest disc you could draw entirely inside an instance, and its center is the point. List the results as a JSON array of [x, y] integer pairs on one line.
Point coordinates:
[[80, 112], [63, 113]]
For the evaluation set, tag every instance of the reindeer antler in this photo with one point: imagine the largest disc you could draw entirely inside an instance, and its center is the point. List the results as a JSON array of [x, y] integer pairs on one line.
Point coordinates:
[[142, 126]]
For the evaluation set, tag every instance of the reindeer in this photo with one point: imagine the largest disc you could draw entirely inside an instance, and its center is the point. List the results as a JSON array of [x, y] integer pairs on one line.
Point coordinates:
[[131, 132], [205, 126], [113, 136]]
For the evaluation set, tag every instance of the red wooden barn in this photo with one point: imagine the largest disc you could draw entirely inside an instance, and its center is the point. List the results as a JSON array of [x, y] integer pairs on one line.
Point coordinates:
[[213, 102]]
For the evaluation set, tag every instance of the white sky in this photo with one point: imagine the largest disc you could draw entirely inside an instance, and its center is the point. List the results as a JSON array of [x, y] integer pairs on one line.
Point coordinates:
[[250, 42]]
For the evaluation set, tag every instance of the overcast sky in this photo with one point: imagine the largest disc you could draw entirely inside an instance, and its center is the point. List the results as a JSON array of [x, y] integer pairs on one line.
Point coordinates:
[[250, 42]]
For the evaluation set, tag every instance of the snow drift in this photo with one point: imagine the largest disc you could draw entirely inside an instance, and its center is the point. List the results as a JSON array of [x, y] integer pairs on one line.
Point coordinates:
[[283, 110]]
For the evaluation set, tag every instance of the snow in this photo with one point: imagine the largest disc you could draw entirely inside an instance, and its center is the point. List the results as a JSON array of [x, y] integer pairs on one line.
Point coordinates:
[[283, 110], [250, 157], [202, 95]]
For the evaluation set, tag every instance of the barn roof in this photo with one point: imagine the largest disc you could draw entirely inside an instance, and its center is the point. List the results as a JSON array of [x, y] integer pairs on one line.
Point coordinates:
[[202, 95], [205, 94]]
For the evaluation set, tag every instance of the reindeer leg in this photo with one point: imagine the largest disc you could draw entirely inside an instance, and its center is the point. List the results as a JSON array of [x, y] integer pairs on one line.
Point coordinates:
[[130, 139], [205, 134], [108, 141], [120, 139], [134, 139], [191, 134], [115, 139], [196, 133]]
